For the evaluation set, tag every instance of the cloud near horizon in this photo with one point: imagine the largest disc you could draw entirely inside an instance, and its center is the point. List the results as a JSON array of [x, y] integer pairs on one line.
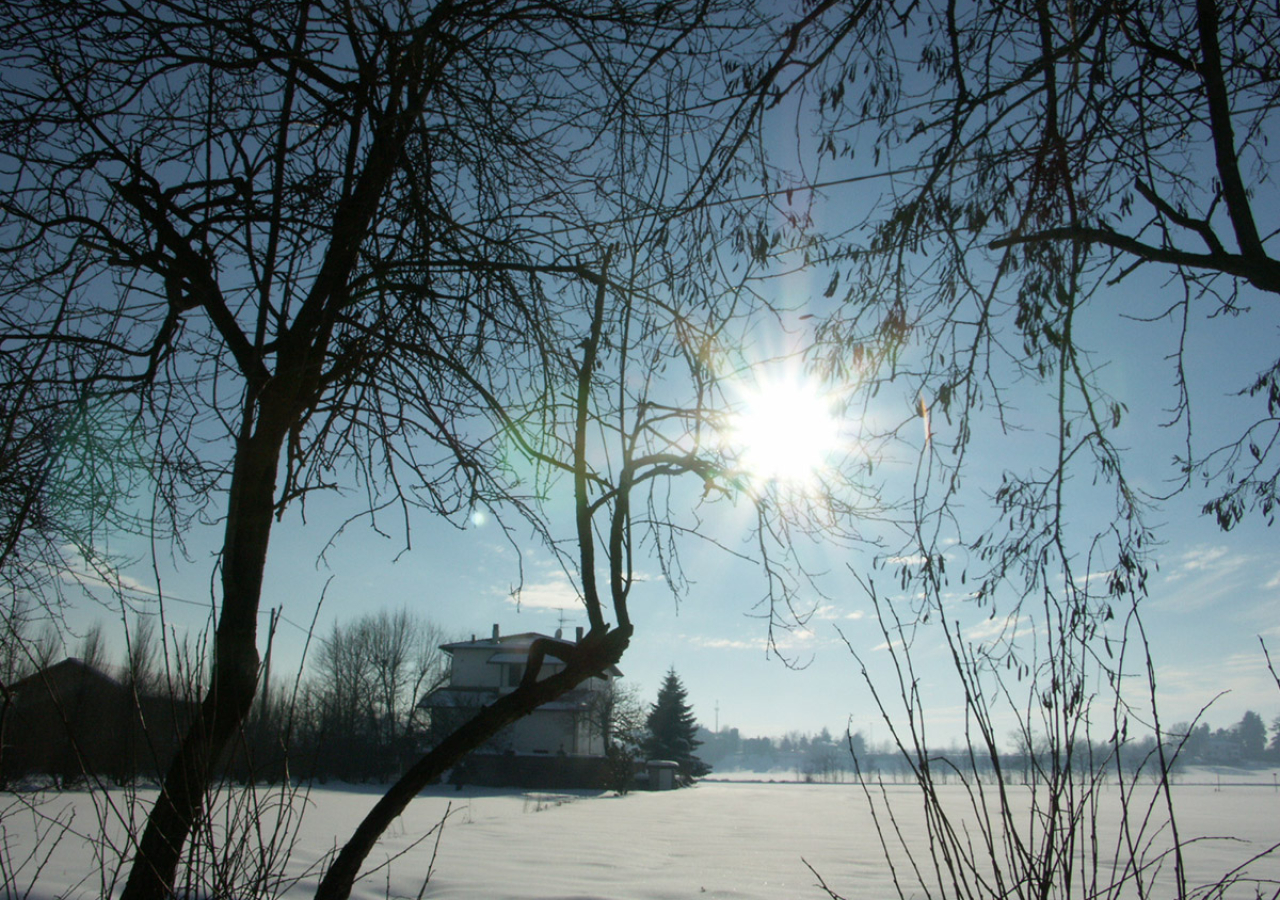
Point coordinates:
[[783, 640], [556, 592], [80, 572]]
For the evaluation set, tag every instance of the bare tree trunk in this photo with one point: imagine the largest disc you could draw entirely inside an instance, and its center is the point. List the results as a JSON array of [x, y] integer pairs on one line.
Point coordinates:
[[235, 674]]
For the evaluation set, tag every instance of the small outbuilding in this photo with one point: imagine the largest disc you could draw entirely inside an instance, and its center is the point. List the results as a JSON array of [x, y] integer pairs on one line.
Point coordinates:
[[664, 774]]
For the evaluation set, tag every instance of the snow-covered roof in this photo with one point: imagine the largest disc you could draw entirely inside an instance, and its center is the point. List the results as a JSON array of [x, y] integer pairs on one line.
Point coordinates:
[[506, 641], [499, 658], [512, 649]]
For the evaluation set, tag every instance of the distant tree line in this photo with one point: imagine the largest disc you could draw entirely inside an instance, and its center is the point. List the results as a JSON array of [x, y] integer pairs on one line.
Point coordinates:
[[824, 757], [821, 757], [1244, 742]]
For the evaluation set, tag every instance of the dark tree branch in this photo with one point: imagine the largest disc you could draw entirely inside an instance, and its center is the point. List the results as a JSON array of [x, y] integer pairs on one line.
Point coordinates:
[[1263, 273], [1226, 155]]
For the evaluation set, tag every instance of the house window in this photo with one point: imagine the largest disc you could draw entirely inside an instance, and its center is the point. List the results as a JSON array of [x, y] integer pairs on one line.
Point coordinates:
[[515, 672]]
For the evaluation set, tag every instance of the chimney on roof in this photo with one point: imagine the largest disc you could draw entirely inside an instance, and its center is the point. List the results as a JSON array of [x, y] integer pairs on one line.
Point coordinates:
[[495, 631], [578, 640]]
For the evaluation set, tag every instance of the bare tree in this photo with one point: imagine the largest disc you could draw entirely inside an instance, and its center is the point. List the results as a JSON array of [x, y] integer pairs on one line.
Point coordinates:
[[14, 640], [143, 657], [617, 714], [46, 649], [284, 245], [407, 660], [1040, 155], [26, 444], [369, 676], [92, 650], [14, 665], [1037, 159], [620, 437]]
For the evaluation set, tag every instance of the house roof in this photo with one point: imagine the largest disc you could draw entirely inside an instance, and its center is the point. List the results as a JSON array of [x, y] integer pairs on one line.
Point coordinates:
[[69, 667], [507, 641], [521, 657], [512, 649]]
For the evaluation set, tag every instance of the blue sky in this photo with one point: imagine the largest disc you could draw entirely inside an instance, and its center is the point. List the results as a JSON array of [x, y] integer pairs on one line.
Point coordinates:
[[1211, 594]]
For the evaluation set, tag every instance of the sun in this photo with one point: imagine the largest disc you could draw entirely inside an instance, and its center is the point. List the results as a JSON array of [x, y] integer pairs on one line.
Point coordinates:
[[785, 431]]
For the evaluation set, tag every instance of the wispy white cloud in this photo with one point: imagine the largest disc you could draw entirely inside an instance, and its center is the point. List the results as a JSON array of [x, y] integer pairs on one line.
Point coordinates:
[[1206, 575], [1201, 559], [998, 628], [552, 588], [100, 574], [556, 592], [796, 639], [727, 643], [831, 613], [1082, 580]]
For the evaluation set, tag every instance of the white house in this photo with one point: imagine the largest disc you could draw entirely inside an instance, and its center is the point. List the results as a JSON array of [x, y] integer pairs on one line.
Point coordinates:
[[483, 670]]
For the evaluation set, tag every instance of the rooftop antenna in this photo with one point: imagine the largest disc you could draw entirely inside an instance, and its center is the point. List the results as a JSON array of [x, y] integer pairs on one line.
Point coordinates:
[[563, 619]]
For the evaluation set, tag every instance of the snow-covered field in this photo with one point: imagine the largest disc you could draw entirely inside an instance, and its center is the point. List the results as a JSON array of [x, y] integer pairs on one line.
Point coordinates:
[[742, 839]]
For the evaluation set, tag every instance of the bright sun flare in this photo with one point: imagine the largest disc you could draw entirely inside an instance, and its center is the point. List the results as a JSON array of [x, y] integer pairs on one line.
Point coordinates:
[[785, 431]]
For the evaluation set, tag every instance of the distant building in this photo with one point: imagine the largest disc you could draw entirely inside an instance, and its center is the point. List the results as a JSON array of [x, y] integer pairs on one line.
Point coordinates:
[[72, 720], [559, 744]]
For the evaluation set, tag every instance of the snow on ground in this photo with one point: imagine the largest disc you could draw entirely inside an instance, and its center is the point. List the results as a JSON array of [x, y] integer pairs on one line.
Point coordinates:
[[1217, 776], [719, 839]]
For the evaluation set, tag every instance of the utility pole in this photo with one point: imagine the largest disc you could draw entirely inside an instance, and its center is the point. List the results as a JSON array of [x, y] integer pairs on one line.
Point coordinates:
[[264, 703]]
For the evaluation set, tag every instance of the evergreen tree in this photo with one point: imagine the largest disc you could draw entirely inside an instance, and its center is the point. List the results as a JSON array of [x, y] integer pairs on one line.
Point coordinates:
[[672, 729], [1251, 734]]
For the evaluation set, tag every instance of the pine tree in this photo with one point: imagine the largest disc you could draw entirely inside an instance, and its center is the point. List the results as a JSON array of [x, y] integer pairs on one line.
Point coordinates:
[[1251, 734], [672, 729]]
